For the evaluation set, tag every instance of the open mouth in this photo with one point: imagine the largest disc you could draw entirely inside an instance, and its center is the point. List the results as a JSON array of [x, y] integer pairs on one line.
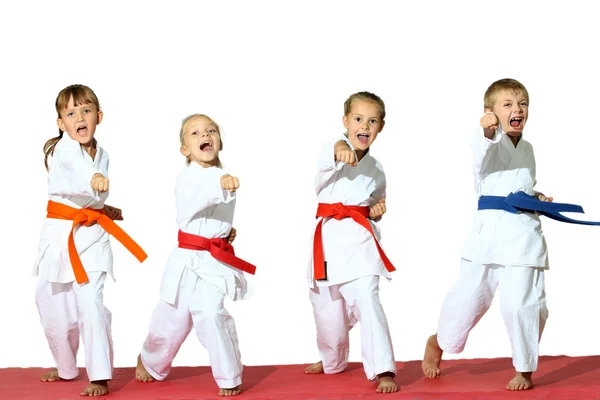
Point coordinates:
[[516, 122], [206, 146], [363, 138], [82, 130]]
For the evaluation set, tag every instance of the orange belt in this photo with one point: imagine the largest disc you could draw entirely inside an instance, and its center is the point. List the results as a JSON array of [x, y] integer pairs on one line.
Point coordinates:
[[87, 216], [340, 211], [218, 248]]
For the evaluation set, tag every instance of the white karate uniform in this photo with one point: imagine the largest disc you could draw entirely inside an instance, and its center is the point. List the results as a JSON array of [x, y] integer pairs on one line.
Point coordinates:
[[194, 283], [504, 250], [66, 308], [351, 291]]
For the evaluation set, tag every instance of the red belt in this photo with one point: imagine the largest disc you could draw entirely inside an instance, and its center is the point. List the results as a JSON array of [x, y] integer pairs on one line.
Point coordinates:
[[340, 211], [218, 248]]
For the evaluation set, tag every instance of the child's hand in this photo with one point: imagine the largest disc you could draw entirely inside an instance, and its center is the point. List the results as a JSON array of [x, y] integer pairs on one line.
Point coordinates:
[[113, 213], [99, 183], [377, 210], [489, 121], [232, 235], [230, 183], [344, 153], [542, 197]]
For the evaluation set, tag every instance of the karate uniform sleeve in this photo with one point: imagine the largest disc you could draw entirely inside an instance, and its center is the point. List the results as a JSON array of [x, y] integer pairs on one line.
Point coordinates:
[[380, 184], [327, 165], [531, 158], [104, 163], [484, 149], [199, 188], [327, 160], [75, 170]]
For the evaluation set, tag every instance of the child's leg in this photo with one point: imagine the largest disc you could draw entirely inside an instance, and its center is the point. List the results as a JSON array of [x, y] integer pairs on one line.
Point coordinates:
[[169, 327], [216, 331], [334, 320], [523, 304], [95, 328], [57, 306], [362, 296], [465, 304]]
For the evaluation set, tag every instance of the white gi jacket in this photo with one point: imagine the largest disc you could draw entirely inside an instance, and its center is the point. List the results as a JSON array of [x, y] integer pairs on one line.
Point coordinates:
[[203, 209], [349, 249], [497, 236], [69, 182]]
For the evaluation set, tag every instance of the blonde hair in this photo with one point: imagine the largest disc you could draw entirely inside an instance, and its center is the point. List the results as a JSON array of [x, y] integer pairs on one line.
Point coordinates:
[[81, 94], [365, 96], [182, 132], [501, 85]]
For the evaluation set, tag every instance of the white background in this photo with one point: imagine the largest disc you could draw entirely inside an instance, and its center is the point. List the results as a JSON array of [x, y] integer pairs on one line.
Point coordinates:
[[275, 77]]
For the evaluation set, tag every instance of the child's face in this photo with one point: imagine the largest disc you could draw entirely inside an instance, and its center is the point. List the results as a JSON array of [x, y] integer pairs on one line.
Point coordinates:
[[201, 141], [363, 123], [80, 122], [512, 109]]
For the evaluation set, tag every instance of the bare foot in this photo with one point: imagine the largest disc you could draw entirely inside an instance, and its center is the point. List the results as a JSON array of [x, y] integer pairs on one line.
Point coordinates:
[[521, 381], [386, 383], [96, 388], [140, 372], [51, 376], [316, 368], [432, 358], [230, 392]]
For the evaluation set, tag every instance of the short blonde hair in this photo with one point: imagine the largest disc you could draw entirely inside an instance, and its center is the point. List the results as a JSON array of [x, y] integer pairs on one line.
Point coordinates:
[[506, 84], [365, 96], [184, 124]]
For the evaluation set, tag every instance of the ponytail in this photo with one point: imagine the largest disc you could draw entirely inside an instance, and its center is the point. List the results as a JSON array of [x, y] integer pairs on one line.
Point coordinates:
[[49, 147]]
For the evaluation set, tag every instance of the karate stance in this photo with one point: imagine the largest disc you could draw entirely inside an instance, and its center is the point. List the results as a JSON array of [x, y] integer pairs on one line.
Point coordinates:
[[505, 251], [347, 259], [202, 270], [75, 246]]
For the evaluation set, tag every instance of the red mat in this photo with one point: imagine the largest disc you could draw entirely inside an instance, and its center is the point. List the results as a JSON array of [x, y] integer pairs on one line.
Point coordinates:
[[558, 378]]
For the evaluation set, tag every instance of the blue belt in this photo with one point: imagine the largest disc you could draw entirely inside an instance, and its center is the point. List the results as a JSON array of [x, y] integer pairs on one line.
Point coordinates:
[[521, 201]]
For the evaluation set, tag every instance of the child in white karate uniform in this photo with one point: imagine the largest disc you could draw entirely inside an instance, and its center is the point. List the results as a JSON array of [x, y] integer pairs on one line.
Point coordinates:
[[505, 251], [74, 253], [202, 270], [347, 260]]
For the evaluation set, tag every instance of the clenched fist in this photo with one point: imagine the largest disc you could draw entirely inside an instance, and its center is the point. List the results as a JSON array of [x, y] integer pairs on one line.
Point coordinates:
[[232, 235], [99, 183], [489, 121], [230, 183], [344, 153], [113, 213], [377, 210], [542, 197]]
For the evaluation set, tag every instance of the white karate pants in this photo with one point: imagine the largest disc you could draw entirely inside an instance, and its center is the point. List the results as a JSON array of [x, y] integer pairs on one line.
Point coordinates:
[[199, 304], [337, 308], [68, 310], [522, 303]]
